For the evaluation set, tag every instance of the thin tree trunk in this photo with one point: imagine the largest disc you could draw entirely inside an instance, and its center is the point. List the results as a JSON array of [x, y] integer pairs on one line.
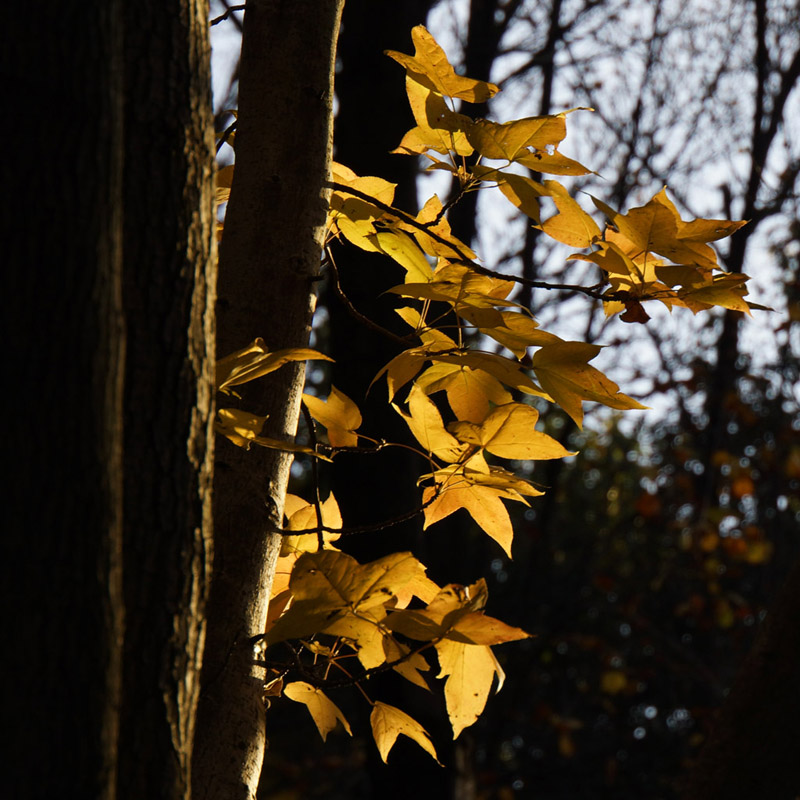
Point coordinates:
[[269, 259]]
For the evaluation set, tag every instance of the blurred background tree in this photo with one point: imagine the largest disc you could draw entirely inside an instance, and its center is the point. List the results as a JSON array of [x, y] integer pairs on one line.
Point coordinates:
[[646, 569]]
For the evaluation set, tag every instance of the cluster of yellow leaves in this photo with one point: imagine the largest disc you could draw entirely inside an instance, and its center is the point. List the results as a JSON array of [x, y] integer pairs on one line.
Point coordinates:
[[362, 609], [387, 614]]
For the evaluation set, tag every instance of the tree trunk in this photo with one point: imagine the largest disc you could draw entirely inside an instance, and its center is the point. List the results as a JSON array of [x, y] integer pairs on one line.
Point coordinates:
[[168, 292], [269, 259], [108, 510]]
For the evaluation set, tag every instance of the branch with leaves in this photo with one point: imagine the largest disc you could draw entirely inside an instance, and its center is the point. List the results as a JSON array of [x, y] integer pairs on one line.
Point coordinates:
[[387, 614]]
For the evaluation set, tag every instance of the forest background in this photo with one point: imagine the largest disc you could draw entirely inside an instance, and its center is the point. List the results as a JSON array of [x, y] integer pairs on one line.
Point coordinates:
[[646, 569]]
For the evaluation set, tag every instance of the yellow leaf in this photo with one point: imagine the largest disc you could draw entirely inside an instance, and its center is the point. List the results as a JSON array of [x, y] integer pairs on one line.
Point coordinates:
[[301, 515], [553, 164], [508, 140], [365, 633], [470, 670], [523, 192], [324, 712], [402, 248], [509, 432], [481, 502], [426, 425], [243, 429], [475, 627], [572, 225], [430, 67], [389, 722], [337, 580], [333, 593], [339, 414], [564, 372], [413, 665], [254, 361]]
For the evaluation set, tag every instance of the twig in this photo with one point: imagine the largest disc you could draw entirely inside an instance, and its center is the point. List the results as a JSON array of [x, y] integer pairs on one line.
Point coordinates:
[[228, 11]]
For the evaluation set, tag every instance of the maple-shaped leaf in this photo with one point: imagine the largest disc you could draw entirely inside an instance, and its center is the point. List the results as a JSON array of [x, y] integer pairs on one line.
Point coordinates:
[[256, 360], [329, 588], [389, 722], [563, 371], [302, 515], [364, 631], [339, 414], [572, 225], [425, 423], [325, 713], [470, 392], [508, 372], [483, 503], [335, 579], [438, 127], [470, 670], [726, 290], [523, 192], [509, 432], [657, 226], [475, 627], [430, 67]]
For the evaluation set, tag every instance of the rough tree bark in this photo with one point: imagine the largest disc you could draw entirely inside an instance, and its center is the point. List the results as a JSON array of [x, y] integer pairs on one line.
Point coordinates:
[[111, 257], [269, 259]]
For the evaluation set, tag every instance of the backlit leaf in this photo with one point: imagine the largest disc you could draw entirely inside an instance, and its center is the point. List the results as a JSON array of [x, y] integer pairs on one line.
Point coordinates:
[[564, 372], [324, 712], [430, 67], [389, 722], [339, 414]]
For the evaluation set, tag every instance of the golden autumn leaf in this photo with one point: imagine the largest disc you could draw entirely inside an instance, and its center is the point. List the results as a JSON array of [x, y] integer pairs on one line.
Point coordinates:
[[324, 712], [332, 592], [470, 671], [430, 67], [389, 722], [400, 247], [243, 429], [339, 414], [563, 371], [425, 423], [470, 392], [657, 227], [572, 225], [508, 140], [508, 431], [255, 360], [302, 515], [481, 502]]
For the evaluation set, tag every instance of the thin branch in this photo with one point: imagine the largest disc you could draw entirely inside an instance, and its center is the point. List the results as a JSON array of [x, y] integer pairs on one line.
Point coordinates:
[[228, 11], [354, 312], [312, 434]]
